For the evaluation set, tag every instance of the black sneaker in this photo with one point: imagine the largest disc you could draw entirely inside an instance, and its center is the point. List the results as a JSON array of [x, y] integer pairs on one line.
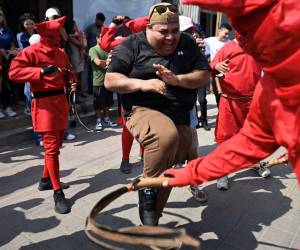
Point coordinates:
[[198, 194], [61, 204], [205, 125], [147, 207], [125, 167], [45, 184]]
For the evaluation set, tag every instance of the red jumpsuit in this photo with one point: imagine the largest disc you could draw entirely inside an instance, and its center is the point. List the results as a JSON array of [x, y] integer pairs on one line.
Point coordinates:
[[49, 114], [238, 85], [108, 34], [108, 42], [270, 31]]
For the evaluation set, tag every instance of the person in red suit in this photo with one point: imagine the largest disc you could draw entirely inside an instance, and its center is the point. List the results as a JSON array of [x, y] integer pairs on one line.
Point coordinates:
[[238, 75], [46, 67], [108, 42], [270, 31]]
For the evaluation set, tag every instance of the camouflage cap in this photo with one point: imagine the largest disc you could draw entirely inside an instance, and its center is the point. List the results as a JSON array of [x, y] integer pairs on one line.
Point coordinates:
[[163, 13]]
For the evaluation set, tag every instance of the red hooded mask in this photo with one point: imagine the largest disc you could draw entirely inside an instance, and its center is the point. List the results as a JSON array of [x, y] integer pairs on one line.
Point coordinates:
[[50, 31]]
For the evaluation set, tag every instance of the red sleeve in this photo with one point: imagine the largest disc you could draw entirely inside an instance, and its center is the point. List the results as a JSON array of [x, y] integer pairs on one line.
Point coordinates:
[[231, 7], [138, 24], [254, 142], [108, 41], [21, 70]]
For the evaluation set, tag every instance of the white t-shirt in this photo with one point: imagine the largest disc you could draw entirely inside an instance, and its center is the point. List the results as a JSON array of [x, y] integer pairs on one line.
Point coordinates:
[[212, 46]]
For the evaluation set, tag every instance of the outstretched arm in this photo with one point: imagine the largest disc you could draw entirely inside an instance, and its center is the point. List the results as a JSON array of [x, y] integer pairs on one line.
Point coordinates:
[[254, 142]]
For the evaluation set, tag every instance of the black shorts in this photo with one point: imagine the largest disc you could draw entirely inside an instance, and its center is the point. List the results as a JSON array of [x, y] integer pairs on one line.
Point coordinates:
[[103, 98]]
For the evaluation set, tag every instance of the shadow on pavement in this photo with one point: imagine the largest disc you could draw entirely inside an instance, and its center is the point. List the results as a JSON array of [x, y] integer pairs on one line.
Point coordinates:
[[29, 152], [204, 150], [25, 179], [79, 240], [234, 216], [103, 180], [14, 222], [84, 137]]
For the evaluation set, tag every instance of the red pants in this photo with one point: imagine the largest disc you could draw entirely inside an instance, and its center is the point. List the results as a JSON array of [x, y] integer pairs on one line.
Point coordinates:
[[127, 140], [52, 142]]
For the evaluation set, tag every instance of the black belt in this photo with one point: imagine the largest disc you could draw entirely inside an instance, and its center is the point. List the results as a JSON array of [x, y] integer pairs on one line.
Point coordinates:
[[42, 94]]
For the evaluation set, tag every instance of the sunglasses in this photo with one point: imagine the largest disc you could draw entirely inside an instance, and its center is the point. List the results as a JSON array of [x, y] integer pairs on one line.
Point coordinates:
[[160, 9]]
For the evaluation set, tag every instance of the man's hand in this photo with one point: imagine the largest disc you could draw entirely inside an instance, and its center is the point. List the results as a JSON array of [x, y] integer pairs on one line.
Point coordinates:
[[222, 67], [166, 75], [154, 85], [178, 177], [74, 87], [50, 70]]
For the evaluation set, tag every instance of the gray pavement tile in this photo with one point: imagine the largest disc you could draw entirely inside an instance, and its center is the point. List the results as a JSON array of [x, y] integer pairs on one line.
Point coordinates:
[[286, 224], [16, 243], [277, 238], [295, 243], [292, 213], [76, 240]]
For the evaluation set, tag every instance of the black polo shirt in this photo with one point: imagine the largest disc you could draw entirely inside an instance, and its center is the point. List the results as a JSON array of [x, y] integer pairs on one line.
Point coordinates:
[[134, 57]]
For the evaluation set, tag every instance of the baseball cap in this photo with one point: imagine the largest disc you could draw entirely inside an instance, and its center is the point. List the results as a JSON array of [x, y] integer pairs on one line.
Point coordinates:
[[35, 38], [185, 23], [51, 12], [163, 13]]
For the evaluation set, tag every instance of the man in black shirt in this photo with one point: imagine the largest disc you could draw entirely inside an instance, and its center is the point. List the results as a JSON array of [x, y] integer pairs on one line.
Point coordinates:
[[158, 73]]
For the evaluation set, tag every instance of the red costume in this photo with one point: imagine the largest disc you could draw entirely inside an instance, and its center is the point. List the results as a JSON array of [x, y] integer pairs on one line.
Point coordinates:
[[270, 31], [49, 113], [238, 86], [108, 34], [109, 42]]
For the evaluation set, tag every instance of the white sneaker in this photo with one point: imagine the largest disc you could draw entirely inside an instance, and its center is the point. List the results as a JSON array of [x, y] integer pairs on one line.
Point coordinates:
[[70, 137], [108, 123], [222, 183], [99, 126], [41, 144], [10, 112], [263, 171], [2, 115]]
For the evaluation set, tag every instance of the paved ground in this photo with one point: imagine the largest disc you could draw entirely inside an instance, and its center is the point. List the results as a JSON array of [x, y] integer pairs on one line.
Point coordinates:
[[254, 214]]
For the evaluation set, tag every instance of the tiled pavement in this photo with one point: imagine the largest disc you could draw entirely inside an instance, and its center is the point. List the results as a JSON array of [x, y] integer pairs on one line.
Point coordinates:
[[254, 213]]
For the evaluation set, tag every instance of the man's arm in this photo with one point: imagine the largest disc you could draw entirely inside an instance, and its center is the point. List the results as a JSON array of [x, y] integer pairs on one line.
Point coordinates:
[[122, 84]]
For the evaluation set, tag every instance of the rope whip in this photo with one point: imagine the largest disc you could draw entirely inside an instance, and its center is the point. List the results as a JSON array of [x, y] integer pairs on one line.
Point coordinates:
[[72, 99], [150, 236]]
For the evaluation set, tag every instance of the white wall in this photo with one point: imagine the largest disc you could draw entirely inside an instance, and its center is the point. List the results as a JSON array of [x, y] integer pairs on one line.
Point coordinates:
[[85, 10]]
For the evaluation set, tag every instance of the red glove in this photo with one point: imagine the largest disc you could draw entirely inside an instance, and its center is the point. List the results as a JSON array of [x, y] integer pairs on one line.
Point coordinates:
[[178, 177]]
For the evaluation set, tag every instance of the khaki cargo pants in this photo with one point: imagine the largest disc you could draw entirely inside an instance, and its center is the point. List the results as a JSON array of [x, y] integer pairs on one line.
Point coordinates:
[[164, 144]]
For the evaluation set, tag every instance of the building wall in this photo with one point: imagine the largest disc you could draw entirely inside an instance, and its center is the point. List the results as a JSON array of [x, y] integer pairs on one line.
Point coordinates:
[[85, 11]]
